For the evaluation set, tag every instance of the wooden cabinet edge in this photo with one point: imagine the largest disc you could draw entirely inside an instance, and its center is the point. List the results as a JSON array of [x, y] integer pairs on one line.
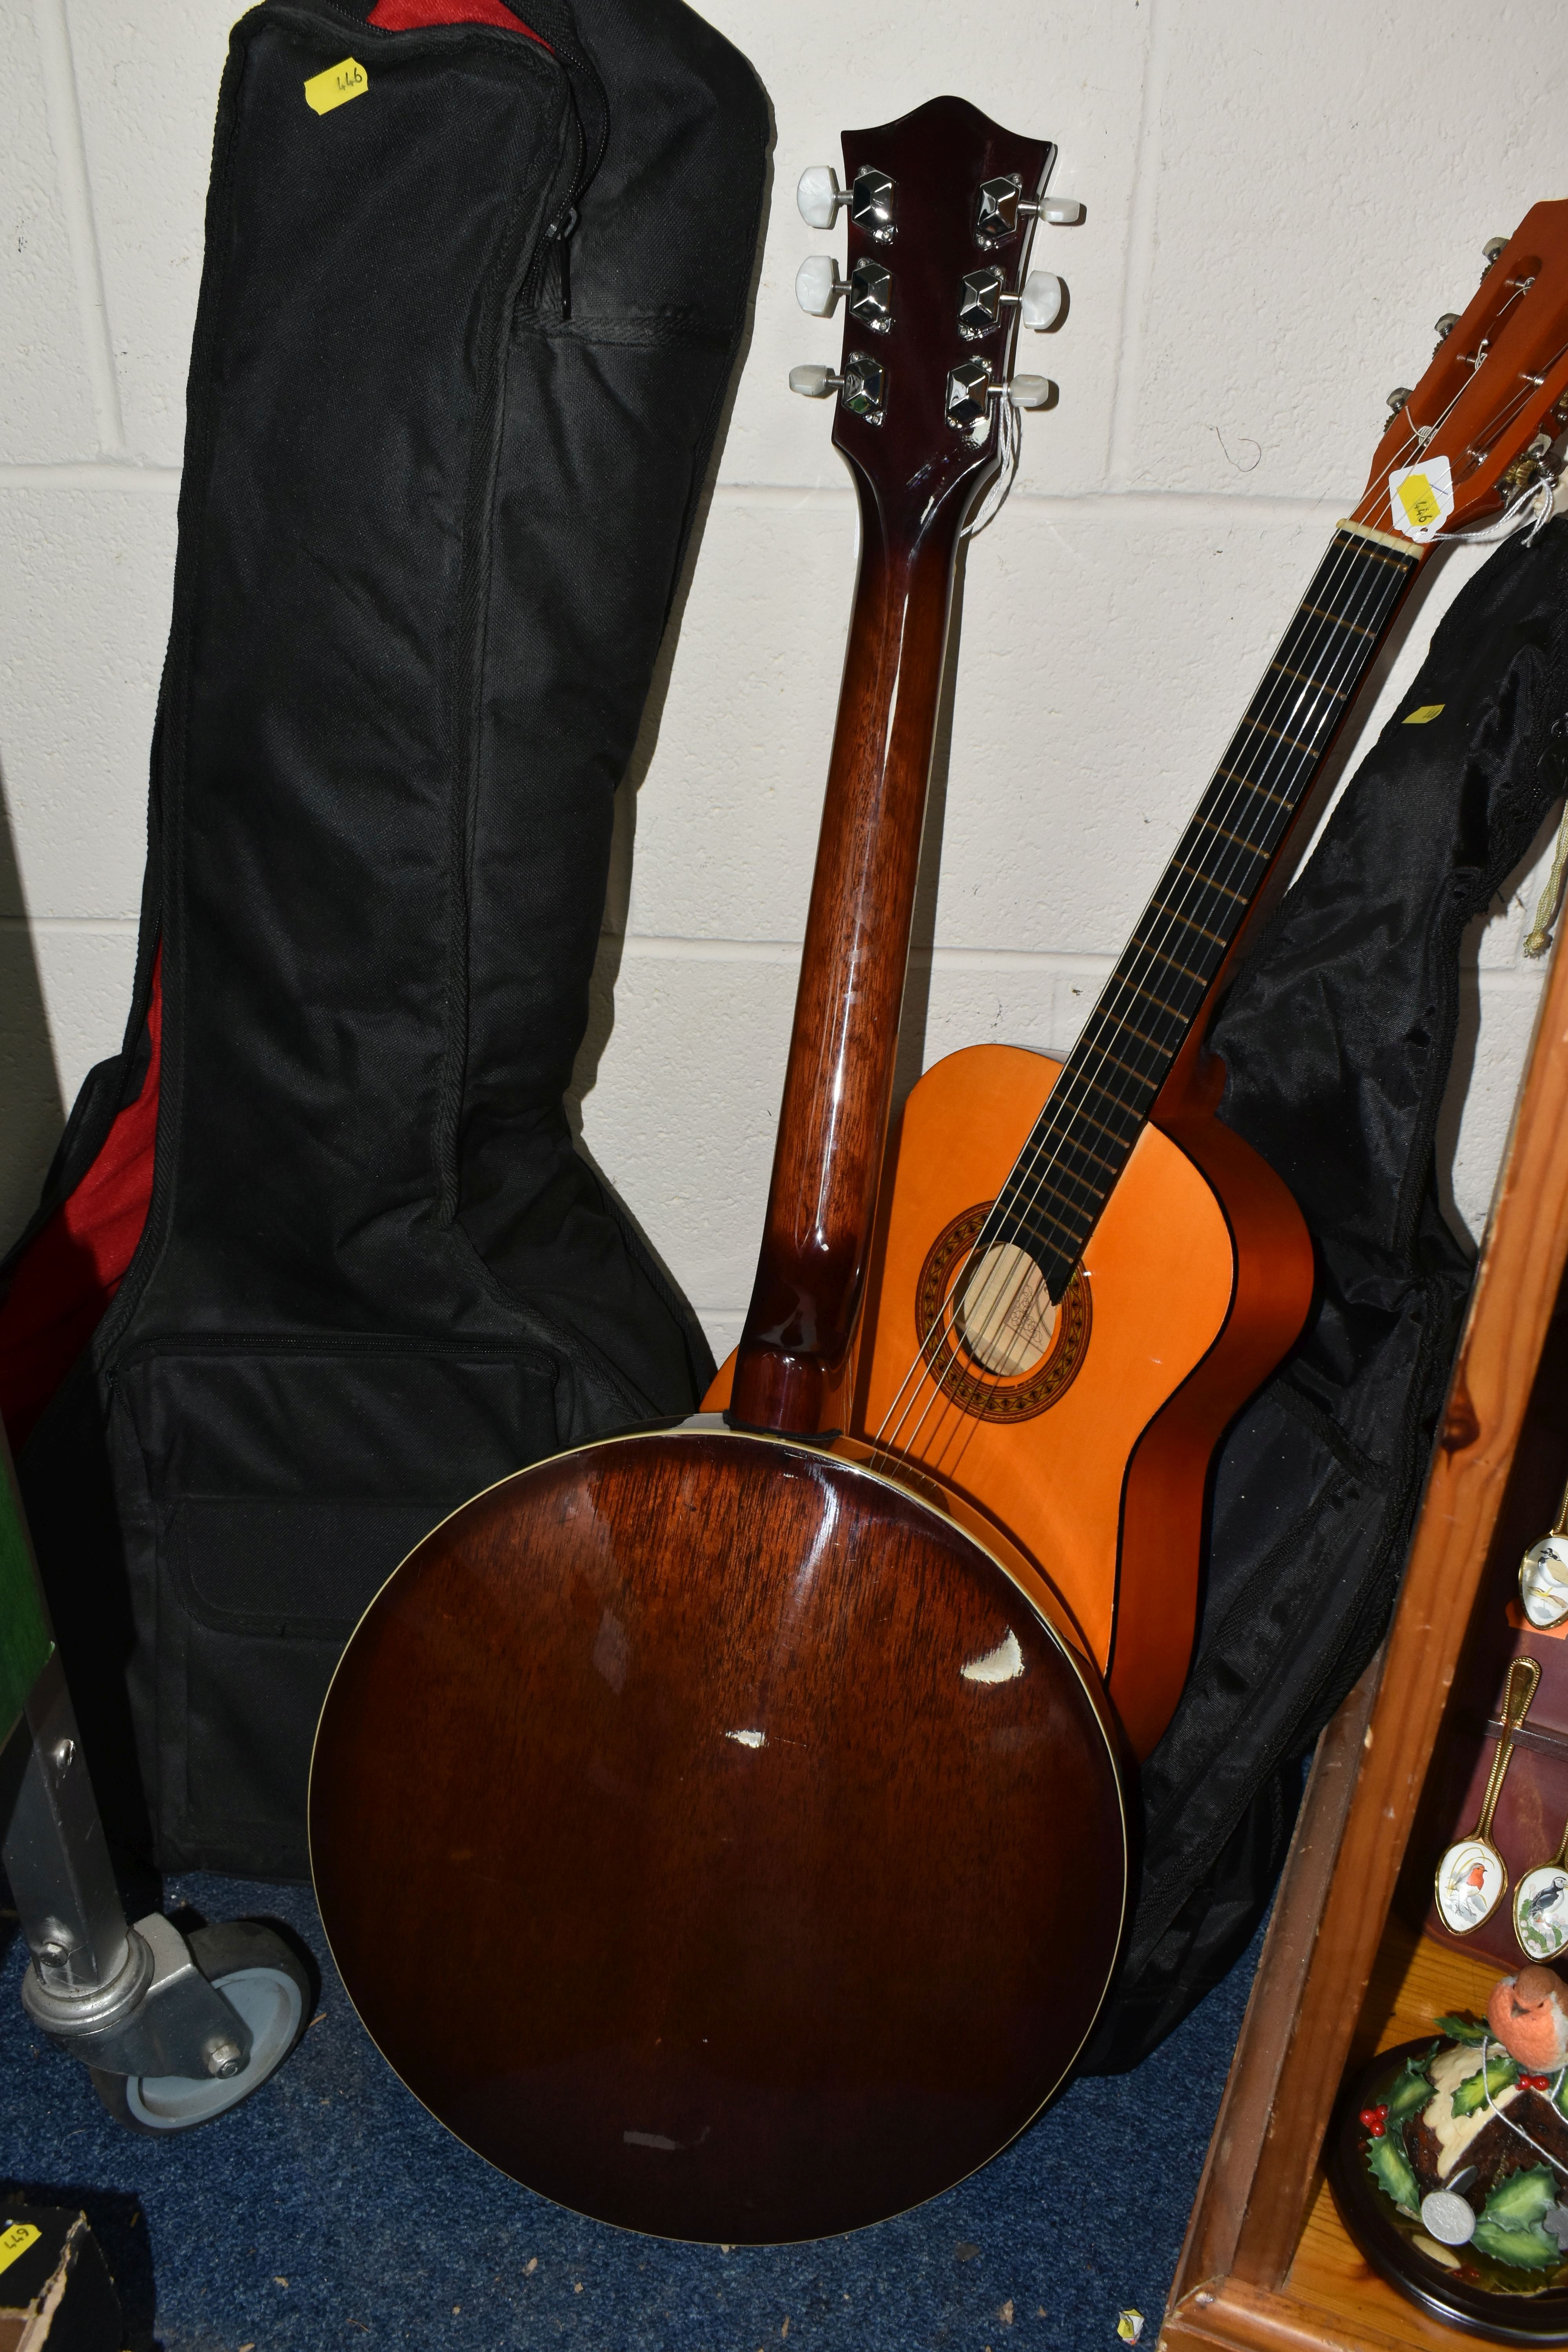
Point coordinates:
[[1227, 2316], [1267, 2028], [1515, 1290], [1334, 1898]]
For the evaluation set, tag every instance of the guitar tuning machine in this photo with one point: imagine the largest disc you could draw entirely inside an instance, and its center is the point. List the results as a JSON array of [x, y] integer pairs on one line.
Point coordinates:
[[863, 384], [819, 286], [1001, 204], [970, 386], [981, 301], [871, 197]]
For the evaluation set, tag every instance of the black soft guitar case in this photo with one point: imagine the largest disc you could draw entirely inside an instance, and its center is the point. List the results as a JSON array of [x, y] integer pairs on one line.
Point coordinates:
[[1338, 1035], [463, 344]]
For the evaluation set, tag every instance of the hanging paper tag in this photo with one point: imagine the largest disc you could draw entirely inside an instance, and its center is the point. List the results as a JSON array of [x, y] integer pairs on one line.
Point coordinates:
[[336, 86], [1421, 497]]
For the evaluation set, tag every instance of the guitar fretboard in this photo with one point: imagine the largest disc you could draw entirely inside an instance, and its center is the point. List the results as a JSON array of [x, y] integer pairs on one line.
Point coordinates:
[[1100, 1102]]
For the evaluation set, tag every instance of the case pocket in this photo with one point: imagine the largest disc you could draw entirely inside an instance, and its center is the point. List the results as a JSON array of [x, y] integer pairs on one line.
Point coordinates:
[[268, 1492]]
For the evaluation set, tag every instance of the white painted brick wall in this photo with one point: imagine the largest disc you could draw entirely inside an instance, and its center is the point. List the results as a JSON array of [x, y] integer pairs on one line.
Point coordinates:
[[1280, 199]]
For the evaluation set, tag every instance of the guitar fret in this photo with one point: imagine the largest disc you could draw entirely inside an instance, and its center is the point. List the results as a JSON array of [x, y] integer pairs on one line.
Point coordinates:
[[1061, 1140], [1065, 1141], [1124, 1028], [1141, 1076], [1240, 840], [1278, 733], [1234, 776], [1037, 1184], [1359, 628], [1372, 553], [1176, 1011], [1165, 956], [1125, 1142], [1112, 1101], [1068, 1250], [1241, 896], [1056, 1139], [1177, 917], [1317, 685]]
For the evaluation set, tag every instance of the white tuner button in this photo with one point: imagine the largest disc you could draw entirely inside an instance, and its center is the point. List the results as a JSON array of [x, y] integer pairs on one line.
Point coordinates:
[[1042, 297], [813, 381], [819, 195], [1031, 392], [817, 285], [1061, 212]]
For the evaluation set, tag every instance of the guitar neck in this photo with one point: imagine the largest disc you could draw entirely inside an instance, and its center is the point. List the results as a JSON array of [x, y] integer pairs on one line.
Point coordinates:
[[1108, 1089]]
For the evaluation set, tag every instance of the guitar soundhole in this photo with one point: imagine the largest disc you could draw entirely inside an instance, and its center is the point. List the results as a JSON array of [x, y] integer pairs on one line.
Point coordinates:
[[997, 1343]]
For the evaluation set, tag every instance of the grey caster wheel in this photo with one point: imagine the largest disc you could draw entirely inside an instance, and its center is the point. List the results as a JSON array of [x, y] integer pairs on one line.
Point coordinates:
[[269, 1986]]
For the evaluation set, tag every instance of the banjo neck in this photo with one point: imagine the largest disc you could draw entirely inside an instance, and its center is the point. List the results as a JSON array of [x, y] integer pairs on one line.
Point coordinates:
[[919, 391]]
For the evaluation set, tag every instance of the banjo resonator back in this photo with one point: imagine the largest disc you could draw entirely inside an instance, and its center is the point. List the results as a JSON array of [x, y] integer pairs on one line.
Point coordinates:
[[742, 1946]]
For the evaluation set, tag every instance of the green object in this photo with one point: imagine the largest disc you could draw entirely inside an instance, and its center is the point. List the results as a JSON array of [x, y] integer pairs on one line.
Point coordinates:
[[24, 1644], [1502, 2073], [1510, 2227], [1463, 2028], [1392, 2170], [1412, 2088]]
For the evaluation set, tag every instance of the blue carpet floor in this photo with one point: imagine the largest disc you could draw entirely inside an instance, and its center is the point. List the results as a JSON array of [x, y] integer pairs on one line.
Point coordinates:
[[331, 2211]]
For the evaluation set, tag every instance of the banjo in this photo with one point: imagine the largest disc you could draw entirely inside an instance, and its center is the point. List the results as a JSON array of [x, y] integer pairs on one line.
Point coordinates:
[[766, 1765], [772, 1791]]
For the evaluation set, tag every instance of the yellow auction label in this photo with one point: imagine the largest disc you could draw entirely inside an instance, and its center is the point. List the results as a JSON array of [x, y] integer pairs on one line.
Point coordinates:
[[15, 2237], [1417, 495], [1424, 717], [336, 86]]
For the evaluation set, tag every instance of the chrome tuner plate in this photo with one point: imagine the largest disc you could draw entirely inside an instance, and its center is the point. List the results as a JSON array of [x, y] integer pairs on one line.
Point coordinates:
[[865, 387], [871, 295], [996, 207], [968, 397], [873, 201], [979, 302]]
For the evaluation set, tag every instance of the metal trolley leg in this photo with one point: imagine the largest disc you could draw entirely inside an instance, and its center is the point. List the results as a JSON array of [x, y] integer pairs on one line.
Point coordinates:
[[175, 2031]]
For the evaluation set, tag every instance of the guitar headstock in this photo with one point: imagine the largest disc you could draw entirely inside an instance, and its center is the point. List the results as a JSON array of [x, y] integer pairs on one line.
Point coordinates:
[[941, 207], [1471, 434]]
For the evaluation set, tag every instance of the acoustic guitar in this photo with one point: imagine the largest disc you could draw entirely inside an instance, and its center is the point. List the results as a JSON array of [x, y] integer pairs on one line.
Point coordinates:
[[1079, 1274], [723, 1829]]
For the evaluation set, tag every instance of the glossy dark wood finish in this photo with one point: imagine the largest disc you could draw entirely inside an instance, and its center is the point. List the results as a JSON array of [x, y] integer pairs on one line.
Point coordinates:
[[717, 1838], [916, 478]]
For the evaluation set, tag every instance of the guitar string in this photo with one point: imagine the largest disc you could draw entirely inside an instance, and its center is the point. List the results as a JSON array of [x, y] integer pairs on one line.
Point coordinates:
[[1129, 978], [1418, 439], [1110, 1014], [1413, 439], [1133, 974], [1117, 1021], [1139, 970], [1034, 1167], [1121, 983]]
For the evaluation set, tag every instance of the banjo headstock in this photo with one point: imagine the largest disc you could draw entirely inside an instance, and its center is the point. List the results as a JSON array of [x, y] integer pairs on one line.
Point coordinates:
[[941, 207]]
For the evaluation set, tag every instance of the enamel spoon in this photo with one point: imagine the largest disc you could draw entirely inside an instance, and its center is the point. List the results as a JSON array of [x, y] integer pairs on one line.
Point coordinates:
[[1543, 1575], [1540, 1906], [1471, 1879]]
